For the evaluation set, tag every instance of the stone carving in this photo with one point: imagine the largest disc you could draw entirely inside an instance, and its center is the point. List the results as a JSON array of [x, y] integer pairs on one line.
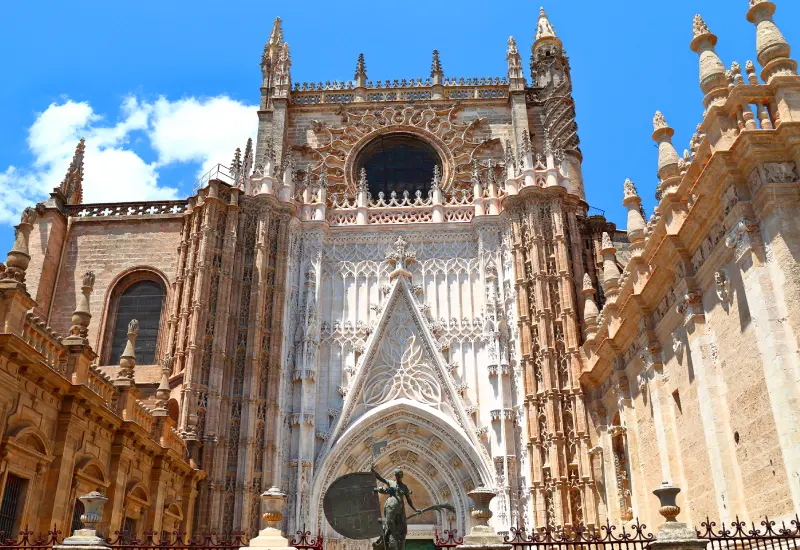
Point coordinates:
[[454, 140], [780, 172], [699, 26], [400, 370], [659, 121], [723, 286], [544, 28], [677, 343]]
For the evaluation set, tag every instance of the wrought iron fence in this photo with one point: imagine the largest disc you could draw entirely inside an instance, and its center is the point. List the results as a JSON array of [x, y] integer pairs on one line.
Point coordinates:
[[26, 539], [304, 541], [448, 539], [579, 537], [738, 535], [177, 541]]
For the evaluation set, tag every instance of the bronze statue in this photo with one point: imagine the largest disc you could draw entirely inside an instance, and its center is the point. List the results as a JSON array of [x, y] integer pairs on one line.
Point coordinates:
[[395, 521], [352, 508]]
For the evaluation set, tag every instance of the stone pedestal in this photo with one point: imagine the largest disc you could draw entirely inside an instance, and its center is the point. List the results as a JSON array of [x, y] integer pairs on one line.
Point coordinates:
[[271, 536], [87, 538], [482, 536]]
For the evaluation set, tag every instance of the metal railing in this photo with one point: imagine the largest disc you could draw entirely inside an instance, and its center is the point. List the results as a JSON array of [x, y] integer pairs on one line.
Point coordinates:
[[218, 172], [738, 535], [604, 537]]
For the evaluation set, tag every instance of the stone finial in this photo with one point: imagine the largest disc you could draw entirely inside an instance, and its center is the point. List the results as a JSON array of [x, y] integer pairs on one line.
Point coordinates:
[[361, 72], [526, 143], [362, 186], [772, 49], [736, 71], [247, 165], [587, 283], [322, 183], [162, 393], [636, 224], [400, 255], [750, 69], [667, 155], [82, 314], [610, 270], [236, 163], [712, 71], [436, 65], [516, 78], [19, 256], [72, 185], [606, 242], [659, 121], [544, 27], [699, 26], [436, 182], [629, 189], [127, 361], [475, 171]]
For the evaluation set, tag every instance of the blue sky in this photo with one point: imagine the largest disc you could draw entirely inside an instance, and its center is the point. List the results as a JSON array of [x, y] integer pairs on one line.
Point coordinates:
[[163, 89]]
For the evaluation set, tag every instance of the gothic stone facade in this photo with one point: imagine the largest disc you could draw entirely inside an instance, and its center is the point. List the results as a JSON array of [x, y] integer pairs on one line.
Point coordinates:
[[484, 329]]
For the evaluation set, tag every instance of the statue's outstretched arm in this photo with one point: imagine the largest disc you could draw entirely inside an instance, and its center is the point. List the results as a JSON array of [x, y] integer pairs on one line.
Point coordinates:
[[378, 476]]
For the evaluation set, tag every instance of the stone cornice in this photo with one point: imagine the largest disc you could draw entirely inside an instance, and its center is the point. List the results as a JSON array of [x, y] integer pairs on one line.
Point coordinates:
[[711, 196]]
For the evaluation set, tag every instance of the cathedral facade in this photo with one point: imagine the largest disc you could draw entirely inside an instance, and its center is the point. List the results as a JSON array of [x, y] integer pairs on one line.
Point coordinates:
[[407, 273]]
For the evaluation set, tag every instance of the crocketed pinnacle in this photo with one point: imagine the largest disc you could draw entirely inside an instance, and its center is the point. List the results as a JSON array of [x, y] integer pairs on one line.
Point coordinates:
[[72, 184], [436, 65], [276, 36], [544, 28], [361, 67], [512, 47]]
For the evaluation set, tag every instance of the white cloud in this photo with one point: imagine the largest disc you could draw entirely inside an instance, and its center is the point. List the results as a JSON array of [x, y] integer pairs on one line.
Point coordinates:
[[205, 131], [190, 130]]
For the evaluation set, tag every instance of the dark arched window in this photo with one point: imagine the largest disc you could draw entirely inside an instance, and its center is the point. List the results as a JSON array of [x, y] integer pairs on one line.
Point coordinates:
[[398, 162], [142, 301]]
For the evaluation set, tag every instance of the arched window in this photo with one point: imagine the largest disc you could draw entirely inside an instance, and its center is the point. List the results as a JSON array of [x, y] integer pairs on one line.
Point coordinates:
[[398, 162], [143, 301]]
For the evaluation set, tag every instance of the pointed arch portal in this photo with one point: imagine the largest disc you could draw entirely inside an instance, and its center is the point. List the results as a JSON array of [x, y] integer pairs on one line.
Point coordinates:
[[403, 410]]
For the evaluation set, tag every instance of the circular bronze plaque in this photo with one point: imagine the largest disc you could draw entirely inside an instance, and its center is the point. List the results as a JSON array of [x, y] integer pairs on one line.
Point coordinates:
[[351, 506]]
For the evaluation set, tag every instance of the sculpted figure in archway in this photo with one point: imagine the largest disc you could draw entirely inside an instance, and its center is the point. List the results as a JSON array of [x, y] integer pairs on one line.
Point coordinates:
[[395, 522]]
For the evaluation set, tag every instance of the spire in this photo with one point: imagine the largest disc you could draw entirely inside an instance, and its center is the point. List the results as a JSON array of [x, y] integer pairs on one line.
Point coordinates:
[[667, 155], [712, 72], [272, 47], [72, 185], [437, 74], [276, 35], [772, 48], [361, 72], [236, 163], [544, 28], [247, 165], [516, 79]]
